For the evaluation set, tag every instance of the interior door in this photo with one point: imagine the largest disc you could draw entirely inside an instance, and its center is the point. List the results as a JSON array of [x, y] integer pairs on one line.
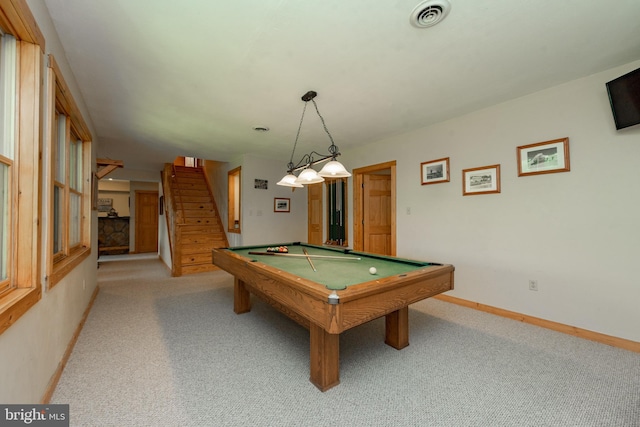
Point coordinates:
[[314, 205], [359, 191], [377, 214], [146, 221]]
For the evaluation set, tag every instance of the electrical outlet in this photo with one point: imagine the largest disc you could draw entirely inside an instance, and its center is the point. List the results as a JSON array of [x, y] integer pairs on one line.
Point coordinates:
[[408, 211], [533, 285]]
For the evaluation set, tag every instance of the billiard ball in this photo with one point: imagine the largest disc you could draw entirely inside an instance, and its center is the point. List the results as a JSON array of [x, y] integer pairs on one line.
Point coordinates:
[[373, 270]]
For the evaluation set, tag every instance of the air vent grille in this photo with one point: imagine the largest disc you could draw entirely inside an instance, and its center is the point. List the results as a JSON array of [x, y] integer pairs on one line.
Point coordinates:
[[429, 13]]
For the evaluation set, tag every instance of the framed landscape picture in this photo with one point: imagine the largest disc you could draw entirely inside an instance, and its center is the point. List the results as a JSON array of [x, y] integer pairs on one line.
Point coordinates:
[[544, 157], [482, 180], [434, 171], [281, 205]]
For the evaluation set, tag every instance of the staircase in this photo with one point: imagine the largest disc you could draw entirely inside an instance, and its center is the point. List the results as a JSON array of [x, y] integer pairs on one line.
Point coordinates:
[[192, 219]]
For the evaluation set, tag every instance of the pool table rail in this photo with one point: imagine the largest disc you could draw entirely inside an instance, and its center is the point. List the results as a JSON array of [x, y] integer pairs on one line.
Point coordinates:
[[296, 297], [300, 298]]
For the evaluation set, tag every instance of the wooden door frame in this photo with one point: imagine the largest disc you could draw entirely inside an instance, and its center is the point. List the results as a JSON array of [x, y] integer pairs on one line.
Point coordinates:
[[358, 197]]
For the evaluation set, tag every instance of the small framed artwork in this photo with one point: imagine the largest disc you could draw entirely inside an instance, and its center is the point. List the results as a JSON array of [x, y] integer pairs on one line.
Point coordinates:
[[434, 171], [161, 207], [261, 184], [482, 180], [105, 205], [544, 157], [281, 205]]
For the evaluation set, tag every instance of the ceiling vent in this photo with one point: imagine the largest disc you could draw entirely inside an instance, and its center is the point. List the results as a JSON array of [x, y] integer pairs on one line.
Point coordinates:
[[429, 13]]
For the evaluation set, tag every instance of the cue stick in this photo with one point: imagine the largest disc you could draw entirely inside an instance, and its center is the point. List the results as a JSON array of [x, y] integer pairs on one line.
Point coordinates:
[[301, 255], [309, 259]]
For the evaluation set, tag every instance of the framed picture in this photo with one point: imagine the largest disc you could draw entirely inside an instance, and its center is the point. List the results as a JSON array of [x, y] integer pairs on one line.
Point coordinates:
[[261, 184], [483, 180], [105, 205], [281, 205], [544, 157], [434, 171]]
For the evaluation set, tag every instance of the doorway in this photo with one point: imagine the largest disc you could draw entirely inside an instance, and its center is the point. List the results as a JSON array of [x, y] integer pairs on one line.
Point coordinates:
[[315, 231], [374, 210], [146, 221]]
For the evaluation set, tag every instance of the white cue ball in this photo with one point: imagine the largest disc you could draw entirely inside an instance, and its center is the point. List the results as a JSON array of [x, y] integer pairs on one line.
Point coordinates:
[[373, 270]]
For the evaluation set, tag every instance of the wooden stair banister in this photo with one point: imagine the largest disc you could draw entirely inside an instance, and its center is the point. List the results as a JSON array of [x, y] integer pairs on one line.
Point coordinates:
[[174, 181]]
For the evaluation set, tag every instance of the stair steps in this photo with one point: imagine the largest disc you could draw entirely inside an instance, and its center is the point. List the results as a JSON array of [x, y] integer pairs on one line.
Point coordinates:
[[200, 227]]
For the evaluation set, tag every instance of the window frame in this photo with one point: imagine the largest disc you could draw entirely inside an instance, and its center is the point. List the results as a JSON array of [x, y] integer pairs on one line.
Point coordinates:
[[24, 268], [62, 104]]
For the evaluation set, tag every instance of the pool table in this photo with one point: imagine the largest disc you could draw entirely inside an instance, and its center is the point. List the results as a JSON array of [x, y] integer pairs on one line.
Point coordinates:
[[340, 294]]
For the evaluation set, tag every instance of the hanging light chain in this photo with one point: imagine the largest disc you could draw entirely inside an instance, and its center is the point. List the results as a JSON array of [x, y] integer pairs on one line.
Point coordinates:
[[333, 149], [290, 165]]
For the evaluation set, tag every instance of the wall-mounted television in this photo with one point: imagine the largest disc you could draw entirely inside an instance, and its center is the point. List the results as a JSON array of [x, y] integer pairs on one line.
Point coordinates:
[[624, 96]]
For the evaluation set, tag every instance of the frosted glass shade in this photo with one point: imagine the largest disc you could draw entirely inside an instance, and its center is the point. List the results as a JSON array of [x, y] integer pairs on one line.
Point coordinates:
[[309, 176], [334, 169], [289, 181]]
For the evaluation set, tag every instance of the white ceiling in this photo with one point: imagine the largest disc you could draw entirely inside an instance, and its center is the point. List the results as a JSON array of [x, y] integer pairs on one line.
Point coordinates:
[[167, 78]]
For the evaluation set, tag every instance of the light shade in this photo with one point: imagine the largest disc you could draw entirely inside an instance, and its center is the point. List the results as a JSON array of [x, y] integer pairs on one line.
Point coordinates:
[[334, 169], [289, 181], [309, 176]]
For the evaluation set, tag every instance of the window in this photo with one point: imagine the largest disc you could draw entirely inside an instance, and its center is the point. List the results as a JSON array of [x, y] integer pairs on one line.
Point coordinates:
[[21, 47], [70, 191], [7, 138], [233, 219], [67, 191]]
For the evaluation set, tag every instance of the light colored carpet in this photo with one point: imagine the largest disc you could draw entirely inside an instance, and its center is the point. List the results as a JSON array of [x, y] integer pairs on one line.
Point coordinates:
[[163, 351]]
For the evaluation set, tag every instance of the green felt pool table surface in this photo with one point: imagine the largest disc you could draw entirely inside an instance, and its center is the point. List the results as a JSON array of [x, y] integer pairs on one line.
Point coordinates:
[[335, 273]]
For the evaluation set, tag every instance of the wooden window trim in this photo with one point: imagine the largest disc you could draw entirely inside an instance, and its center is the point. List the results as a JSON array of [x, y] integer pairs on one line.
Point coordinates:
[[65, 103], [16, 19], [6, 285], [17, 303], [61, 100], [67, 264], [25, 273]]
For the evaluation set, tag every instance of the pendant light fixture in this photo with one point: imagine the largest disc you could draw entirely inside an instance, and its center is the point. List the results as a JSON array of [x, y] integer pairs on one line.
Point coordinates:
[[333, 169]]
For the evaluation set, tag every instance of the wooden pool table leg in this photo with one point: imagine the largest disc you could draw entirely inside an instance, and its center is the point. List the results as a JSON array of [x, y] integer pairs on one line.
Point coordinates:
[[241, 297], [324, 358], [397, 328]]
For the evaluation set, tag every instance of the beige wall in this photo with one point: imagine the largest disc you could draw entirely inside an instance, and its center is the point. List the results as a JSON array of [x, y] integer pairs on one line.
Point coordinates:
[[576, 233], [118, 191]]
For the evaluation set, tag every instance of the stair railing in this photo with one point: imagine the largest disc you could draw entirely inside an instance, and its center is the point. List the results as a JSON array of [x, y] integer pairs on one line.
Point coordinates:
[[172, 217], [177, 194]]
